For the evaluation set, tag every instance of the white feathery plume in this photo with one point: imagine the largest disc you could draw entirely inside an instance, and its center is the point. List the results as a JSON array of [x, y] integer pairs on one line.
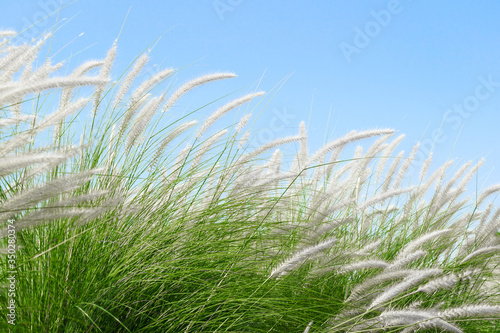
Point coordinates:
[[17, 91], [225, 109], [111, 148], [104, 207], [446, 194], [360, 290], [27, 198], [397, 289], [360, 182], [326, 171], [269, 180], [302, 155], [439, 200], [104, 73], [454, 179], [247, 178], [298, 258], [130, 112], [27, 75], [406, 317], [194, 83], [333, 182], [171, 136], [445, 198], [374, 264], [320, 216], [444, 282], [25, 57], [455, 208], [13, 55], [439, 173], [127, 82], [387, 155], [15, 119], [28, 72], [207, 144], [491, 227], [7, 33], [392, 171], [12, 163], [405, 166], [481, 251], [422, 189], [345, 319], [461, 186], [86, 67], [486, 193], [165, 177], [415, 244], [371, 153], [440, 323], [368, 248], [243, 122], [308, 327], [269, 145], [484, 217], [17, 141], [470, 311], [243, 139], [245, 172], [78, 72], [6, 47], [323, 197], [414, 305], [399, 263], [140, 92], [333, 160], [353, 170], [274, 164], [67, 154], [52, 119], [351, 137], [59, 115], [422, 318], [425, 168], [382, 210], [461, 223], [324, 228], [39, 217], [143, 119], [384, 196], [479, 214], [44, 71], [468, 273]]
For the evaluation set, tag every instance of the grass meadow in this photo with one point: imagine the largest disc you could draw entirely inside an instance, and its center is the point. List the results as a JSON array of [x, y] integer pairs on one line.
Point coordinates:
[[117, 214]]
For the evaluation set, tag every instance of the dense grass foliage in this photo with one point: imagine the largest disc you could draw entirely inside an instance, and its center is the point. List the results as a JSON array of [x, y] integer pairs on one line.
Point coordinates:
[[138, 219]]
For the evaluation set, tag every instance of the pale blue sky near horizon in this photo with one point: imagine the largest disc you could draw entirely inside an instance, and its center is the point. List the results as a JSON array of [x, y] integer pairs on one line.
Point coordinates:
[[415, 66]]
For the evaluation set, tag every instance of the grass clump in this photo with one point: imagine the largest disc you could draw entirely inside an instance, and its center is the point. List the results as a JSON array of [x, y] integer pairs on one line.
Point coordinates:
[[148, 224]]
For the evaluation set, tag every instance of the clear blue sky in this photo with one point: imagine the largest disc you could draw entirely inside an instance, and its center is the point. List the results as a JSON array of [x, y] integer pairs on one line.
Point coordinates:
[[355, 64]]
